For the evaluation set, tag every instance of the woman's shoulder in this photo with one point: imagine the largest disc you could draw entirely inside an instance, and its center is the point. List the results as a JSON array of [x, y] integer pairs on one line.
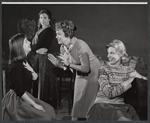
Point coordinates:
[[49, 29], [17, 65], [81, 44]]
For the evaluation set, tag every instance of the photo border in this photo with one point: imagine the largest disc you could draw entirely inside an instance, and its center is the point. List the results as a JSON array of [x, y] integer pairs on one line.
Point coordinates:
[[64, 2]]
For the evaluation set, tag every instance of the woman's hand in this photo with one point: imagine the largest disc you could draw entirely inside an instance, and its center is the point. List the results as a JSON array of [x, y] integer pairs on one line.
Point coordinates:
[[135, 74], [28, 67], [65, 59], [31, 102], [39, 107], [42, 51], [53, 59], [130, 80]]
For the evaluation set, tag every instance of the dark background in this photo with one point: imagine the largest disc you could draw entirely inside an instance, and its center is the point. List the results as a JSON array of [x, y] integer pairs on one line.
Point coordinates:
[[97, 24]]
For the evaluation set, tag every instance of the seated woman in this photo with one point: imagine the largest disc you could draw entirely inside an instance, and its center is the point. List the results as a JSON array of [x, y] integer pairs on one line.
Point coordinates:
[[114, 80], [18, 104]]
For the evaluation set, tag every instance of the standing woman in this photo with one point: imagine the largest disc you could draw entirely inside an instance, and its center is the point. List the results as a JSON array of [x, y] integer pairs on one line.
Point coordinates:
[[76, 54], [47, 90], [18, 104]]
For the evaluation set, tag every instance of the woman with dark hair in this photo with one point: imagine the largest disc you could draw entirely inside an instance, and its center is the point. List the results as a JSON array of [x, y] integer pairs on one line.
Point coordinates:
[[77, 55], [18, 104], [114, 80], [47, 88]]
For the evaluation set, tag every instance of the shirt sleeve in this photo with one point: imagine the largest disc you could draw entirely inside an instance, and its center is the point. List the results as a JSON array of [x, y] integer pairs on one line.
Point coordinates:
[[17, 79], [108, 89], [45, 39], [84, 57]]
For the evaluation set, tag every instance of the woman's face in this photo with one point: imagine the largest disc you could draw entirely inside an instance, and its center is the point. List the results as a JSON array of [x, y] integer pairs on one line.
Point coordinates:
[[113, 56], [60, 35], [44, 20], [26, 46]]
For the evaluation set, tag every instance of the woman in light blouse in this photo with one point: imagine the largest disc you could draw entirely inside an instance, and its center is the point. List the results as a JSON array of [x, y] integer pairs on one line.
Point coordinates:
[[76, 54]]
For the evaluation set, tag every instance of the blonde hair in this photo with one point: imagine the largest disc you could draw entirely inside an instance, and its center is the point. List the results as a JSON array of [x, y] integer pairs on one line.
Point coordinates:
[[119, 46]]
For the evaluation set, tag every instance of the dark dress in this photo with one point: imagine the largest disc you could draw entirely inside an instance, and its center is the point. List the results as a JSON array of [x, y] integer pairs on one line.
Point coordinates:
[[14, 108], [48, 85]]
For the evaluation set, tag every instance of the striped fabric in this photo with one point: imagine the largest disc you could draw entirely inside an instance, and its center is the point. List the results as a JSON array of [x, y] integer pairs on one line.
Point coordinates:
[[110, 81]]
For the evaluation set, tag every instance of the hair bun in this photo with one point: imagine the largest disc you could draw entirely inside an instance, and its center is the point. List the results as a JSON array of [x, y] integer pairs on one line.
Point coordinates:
[[75, 28]]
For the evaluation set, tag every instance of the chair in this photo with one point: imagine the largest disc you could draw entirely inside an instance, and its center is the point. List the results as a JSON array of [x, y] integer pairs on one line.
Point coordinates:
[[137, 95], [4, 82], [65, 79]]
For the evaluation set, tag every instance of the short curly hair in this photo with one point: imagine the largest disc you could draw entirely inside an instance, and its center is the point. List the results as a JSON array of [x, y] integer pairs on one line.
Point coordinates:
[[67, 27]]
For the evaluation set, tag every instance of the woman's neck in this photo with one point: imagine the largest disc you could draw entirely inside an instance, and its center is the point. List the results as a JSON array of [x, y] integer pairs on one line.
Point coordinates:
[[68, 42], [71, 42], [26, 53], [114, 65], [45, 26]]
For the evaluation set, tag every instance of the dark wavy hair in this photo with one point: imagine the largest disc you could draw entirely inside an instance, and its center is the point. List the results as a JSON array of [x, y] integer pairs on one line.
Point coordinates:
[[49, 14], [67, 27], [16, 47]]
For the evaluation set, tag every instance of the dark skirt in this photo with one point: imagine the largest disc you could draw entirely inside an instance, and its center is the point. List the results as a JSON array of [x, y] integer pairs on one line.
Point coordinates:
[[48, 82], [104, 111], [15, 108]]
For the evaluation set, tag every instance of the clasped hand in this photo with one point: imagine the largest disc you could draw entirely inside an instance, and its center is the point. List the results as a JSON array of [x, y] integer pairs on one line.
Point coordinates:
[[41, 51], [135, 74], [65, 59], [28, 67]]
